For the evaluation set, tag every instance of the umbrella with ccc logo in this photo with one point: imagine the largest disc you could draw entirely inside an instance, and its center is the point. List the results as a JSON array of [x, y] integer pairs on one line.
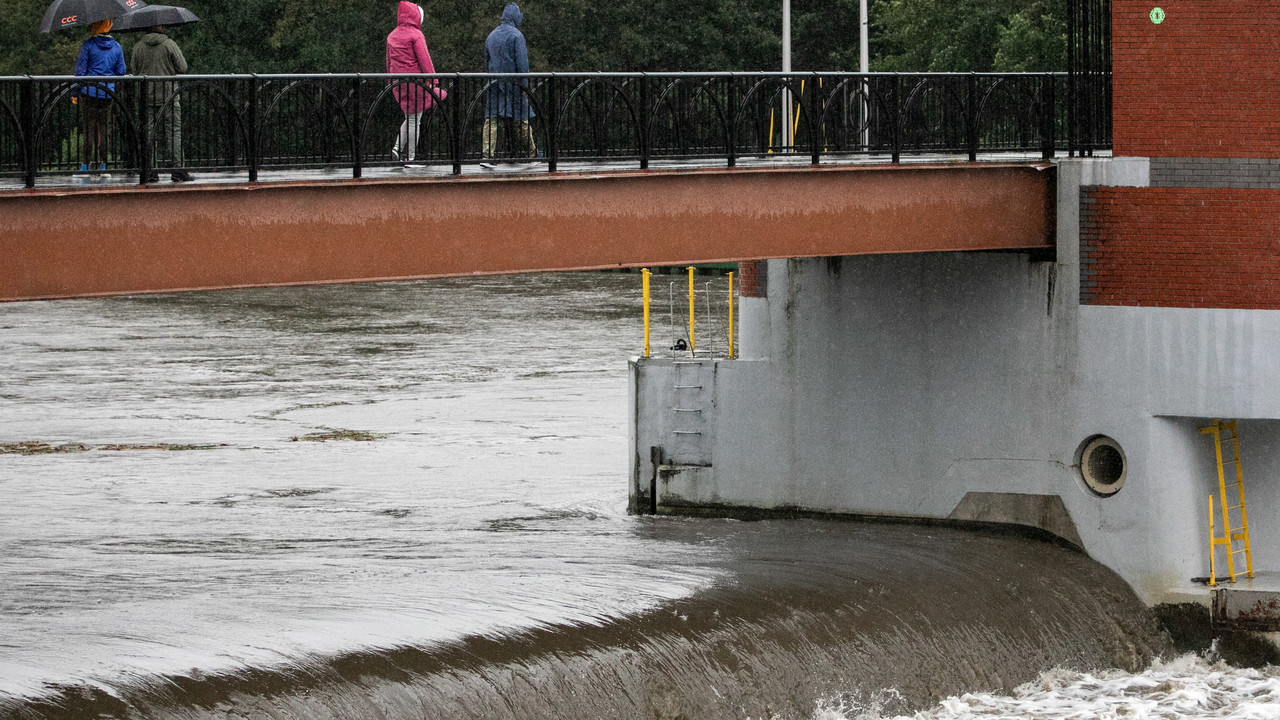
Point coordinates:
[[64, 14]]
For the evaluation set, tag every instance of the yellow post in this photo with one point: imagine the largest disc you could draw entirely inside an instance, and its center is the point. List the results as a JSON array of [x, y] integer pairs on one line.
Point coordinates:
[[795, 121], [770, 151], [730, 315], [644, 274], [1213, 548], [692, 345]]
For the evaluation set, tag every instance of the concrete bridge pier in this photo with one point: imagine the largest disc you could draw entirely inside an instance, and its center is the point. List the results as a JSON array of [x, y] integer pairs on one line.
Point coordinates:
[[977, 387]]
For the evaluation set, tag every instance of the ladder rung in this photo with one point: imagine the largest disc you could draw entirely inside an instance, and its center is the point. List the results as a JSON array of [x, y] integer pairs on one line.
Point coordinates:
[[687, 409], [1237, 552], [687, 432], [687, 362], [688, 387]]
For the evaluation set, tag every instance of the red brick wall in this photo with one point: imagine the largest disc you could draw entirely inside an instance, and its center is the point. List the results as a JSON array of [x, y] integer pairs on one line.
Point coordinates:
[[1204, 83], [752, 277], [1180, 247]]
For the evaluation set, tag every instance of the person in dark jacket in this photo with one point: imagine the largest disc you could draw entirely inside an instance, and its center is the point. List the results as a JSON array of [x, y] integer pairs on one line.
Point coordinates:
[[156, 54], [99, 55], [506, 102]]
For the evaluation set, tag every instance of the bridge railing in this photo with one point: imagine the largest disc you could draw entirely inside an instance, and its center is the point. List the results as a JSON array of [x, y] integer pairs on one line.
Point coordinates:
[[255, 123]]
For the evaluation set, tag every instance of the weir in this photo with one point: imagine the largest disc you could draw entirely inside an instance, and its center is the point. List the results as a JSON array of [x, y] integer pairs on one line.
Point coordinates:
[[803, 616]]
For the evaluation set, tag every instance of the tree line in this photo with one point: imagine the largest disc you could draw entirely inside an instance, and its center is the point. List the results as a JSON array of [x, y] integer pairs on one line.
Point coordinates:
[[267, 36]]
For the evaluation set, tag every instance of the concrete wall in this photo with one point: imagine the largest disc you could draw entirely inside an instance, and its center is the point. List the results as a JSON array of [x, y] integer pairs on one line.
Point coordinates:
[[897, 384]]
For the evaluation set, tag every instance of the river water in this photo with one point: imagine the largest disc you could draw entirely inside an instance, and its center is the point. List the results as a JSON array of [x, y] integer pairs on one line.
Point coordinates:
[[409, 500]]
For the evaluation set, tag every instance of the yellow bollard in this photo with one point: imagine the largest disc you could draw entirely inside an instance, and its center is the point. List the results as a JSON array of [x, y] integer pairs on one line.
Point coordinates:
[[692, 346], [730, 315], [1213, 580], [644, 274], [795, 121]]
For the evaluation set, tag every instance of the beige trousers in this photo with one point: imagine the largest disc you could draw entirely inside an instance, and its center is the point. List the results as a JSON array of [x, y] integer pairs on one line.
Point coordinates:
[[490, 139]]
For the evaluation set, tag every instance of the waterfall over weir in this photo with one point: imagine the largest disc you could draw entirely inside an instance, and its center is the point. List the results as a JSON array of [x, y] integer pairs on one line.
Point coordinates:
[[799, 613]]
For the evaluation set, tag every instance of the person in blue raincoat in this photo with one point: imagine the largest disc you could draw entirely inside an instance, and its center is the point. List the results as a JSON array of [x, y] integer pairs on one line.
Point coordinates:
[[99, 55], [506, 102]]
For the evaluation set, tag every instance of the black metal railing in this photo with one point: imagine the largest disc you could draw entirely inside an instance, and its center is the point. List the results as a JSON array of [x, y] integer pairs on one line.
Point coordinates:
[[1088, 76], [254, 123]]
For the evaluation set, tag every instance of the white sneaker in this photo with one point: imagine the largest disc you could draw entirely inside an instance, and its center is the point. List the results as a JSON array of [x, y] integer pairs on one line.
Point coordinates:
[[487, 165], [395, 154], [413, 166]]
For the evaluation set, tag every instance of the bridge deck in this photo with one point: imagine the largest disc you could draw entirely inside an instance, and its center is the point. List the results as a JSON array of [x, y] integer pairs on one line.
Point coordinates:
[[316, 227]]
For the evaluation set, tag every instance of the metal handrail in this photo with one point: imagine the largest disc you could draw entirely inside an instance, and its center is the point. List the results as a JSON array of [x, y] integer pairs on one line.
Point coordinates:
[[249, 123]]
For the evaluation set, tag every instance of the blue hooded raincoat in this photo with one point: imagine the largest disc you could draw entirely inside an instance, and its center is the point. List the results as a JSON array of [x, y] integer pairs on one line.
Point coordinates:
[[505, 52], [100, 55]]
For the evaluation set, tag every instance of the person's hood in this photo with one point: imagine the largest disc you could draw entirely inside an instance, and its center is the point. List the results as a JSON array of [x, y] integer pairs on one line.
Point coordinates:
[[410, 14], [102, 42], [511, 14], [153, 38]]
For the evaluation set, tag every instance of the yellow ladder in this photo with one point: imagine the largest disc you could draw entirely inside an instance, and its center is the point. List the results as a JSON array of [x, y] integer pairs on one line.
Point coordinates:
[[1230, 533]]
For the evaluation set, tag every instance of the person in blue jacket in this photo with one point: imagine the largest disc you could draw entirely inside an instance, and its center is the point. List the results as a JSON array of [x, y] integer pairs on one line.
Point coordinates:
[[506, 102], [99, 55]]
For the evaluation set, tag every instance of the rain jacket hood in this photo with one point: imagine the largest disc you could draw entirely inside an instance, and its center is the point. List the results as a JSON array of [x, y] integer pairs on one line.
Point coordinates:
[[410, 14], [100, 55], [407, 54], [511, 14]]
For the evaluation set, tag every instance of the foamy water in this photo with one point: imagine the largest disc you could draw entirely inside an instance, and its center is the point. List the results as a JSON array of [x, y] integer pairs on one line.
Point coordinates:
[[1186, 687]]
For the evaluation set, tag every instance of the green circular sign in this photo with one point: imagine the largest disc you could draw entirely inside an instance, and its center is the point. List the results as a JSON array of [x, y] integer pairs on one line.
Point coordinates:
[[1157, 15]]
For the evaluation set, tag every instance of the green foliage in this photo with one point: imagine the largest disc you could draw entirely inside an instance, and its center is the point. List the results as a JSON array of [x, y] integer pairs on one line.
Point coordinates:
[[1035, 39], [25, 51], [267, 36]]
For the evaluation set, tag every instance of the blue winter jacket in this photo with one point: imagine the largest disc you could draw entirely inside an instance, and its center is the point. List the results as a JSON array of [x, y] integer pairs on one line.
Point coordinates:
[[100, 55], [505, 52]]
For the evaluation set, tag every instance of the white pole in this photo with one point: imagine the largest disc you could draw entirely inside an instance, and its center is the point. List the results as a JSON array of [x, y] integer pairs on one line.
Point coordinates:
[[864, 63], [786, 68]]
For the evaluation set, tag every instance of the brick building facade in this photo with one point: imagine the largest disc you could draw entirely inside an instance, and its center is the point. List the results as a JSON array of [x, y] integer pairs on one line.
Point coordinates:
[[1198, 94]]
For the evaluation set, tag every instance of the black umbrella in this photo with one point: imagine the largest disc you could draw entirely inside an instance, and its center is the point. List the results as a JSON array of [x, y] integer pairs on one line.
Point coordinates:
[[64, 14], [153, 15]]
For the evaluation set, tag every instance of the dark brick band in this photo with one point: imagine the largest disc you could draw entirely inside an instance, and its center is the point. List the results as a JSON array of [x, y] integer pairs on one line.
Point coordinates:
[[1197, 172]]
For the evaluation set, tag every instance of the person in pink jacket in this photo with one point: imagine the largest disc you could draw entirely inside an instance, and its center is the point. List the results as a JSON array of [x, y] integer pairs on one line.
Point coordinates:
[[407, 53]]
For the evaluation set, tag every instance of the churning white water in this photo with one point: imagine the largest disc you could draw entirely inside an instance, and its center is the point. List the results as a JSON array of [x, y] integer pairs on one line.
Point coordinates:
[[1186, 687]]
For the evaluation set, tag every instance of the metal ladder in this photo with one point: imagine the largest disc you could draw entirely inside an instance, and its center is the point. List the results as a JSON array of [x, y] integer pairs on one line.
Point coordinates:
[[686, 406], [1231, 534]]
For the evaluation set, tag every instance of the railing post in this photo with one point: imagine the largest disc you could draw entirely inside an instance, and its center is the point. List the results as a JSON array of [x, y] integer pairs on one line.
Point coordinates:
[[971, 116], [29, 154], [1048, 116], [457, 124], [357, 130], [553, 122], [815, 119], [145, 131], [643, 121], [254, 133], [731, 119], [897, 118]]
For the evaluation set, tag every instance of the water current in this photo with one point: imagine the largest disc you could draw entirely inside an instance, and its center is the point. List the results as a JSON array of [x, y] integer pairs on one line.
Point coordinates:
[[409, 500]]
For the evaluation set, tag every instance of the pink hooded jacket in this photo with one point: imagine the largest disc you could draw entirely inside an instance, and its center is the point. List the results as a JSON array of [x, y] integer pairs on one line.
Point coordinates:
[[407, 53]]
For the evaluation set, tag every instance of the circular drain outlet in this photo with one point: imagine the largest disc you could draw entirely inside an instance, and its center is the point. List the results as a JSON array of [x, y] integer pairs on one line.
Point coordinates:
[[1102, 465]]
